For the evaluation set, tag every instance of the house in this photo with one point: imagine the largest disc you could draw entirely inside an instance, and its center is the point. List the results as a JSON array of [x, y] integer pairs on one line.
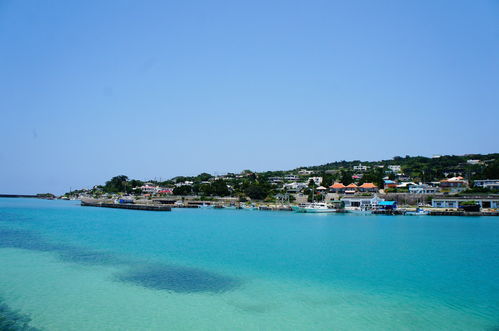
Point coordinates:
[[455, 202], [149, 188], [321, 189], [368, 187], [360, 167], [395, 168], [305, 172], [294, 187], [317, 180], [492, 184], [422, 189], [291, 177], [275, 180], [406, 184], [164, 190], [361, 201], [473, 162], [184, 183], [337, 188], [453, 185], [389, 184], [351, 189]]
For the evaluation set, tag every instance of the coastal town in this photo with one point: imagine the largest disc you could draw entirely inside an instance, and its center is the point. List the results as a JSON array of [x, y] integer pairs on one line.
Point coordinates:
[[385, 187]]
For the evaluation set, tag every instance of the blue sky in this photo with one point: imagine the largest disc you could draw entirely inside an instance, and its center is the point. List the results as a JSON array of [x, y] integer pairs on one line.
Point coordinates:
[[93, 89]]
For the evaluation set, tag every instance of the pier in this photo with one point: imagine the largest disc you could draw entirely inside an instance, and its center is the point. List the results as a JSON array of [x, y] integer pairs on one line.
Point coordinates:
[[127, 206], [439, 212]]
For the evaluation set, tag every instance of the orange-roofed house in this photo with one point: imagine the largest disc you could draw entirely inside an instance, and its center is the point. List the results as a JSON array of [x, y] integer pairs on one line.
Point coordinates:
[[368, 187], [337, 188], [351, 189]]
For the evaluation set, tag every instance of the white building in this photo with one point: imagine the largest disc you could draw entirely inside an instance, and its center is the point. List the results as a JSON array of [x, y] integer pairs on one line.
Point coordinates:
[[305, 172], [317, 180], [423, 189], [294, 187], [149, 188], [473, 162], [492, 184], [361, 201], [395, 168], [291, 177], [360, 167], [453, 202]]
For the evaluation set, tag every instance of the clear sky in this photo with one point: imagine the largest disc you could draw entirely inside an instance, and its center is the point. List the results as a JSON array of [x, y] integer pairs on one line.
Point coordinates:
[[93, 89]]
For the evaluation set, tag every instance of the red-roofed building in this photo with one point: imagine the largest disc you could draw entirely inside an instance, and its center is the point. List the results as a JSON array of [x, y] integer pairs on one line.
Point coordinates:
[[337, 188], [351, 189], [368, 187]]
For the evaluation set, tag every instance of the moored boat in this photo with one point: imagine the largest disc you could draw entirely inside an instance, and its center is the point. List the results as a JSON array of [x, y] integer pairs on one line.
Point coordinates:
[[315, 207], [418, 212]]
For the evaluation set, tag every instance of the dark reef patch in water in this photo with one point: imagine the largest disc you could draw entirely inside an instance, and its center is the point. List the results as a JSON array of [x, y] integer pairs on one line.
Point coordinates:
[[10, 238], [150, 275], [11, 320], [178, 279]]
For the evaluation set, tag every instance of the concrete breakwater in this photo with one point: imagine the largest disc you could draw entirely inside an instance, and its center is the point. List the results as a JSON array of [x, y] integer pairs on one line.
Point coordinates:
[[127, 206], [438, 213]]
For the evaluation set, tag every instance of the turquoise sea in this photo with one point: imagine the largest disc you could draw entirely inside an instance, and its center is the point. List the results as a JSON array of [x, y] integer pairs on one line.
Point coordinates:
[[66, 267]]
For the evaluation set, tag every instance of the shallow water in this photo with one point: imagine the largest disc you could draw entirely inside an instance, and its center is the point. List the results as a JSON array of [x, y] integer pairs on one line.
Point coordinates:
[[82, 268]]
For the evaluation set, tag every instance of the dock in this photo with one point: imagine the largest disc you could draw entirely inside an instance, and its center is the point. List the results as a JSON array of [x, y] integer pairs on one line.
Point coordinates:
[[131, 206], [438, 213]]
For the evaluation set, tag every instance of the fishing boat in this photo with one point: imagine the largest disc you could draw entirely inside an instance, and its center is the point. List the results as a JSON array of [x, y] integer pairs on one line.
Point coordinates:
[[315, 207], [418, 212], [249, 207]]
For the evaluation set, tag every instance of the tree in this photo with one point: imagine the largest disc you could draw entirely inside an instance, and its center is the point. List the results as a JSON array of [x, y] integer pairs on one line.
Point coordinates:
[[346, 177], [117, 184], [256, 191], [203, 177], [219, 188], [182, 190]]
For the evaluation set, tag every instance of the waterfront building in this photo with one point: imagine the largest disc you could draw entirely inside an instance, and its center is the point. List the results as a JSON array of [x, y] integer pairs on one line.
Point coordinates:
[[362, 202], [454, 202], [387, 205]]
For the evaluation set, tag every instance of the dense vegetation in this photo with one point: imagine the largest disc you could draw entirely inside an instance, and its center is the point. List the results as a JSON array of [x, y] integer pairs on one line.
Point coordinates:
[[259, 186]]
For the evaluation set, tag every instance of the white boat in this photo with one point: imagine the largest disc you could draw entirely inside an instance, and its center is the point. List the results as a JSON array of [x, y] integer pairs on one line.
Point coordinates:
[[418, 212], [315, 207], [205, 205], [249, 207]]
